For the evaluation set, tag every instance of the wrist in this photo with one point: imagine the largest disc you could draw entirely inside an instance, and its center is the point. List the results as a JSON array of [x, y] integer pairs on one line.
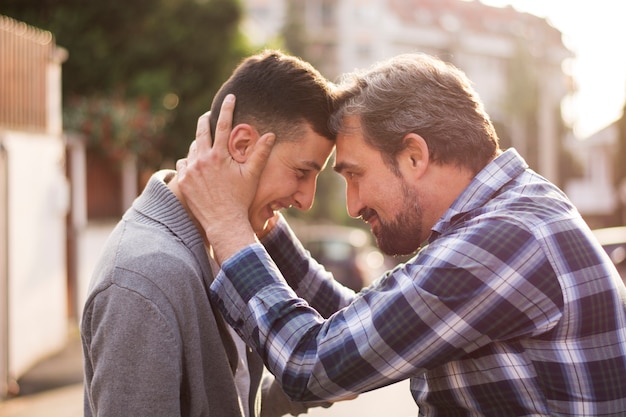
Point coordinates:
[[227, 238]]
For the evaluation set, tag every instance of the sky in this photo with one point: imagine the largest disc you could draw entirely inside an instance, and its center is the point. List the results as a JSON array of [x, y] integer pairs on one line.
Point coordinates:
[[595, 30]]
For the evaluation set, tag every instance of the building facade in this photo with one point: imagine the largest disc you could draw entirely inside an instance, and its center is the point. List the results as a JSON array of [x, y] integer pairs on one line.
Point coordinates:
[[595, 193], [514, 59]]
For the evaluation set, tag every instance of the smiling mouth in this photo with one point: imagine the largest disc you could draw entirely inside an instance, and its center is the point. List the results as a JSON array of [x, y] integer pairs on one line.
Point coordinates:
[[278, 206], [273, 208], [367, 215]]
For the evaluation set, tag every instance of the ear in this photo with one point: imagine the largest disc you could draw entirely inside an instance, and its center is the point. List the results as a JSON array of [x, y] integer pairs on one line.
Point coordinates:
[[241, 141], [413, 160]]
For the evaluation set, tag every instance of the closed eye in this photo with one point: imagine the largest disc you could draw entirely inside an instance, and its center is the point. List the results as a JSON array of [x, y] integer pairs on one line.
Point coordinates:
[[347, 170], [311, 167], [349, 175], [302, 173]]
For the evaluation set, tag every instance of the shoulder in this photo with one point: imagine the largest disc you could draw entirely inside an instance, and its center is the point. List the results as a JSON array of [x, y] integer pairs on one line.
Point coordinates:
[[143, 261], [480, 252]]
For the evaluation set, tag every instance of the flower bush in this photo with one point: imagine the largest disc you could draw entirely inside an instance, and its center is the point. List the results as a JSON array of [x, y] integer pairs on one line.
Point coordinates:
[[116, 128]]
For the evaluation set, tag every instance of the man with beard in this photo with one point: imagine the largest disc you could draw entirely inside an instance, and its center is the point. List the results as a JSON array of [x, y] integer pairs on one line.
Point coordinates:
[[509, 308]]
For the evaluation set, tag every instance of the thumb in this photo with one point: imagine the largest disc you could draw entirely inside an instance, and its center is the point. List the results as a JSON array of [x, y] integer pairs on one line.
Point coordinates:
[[261, 152]]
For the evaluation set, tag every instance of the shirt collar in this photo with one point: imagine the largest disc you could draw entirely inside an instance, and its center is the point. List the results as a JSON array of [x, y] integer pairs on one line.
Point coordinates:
[[481, 189]]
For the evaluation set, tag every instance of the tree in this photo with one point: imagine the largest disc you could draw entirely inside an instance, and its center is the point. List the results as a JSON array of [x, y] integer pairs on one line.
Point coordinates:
[[165, 57], [293, 30], [330, 196], [619, 168], [521, 101]]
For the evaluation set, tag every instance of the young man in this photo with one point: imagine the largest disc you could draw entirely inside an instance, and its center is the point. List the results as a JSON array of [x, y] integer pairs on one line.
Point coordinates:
[[510, 307], [153, 343]]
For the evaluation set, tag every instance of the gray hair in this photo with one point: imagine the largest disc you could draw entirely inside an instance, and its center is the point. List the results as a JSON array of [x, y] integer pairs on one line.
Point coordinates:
[[418, 93]]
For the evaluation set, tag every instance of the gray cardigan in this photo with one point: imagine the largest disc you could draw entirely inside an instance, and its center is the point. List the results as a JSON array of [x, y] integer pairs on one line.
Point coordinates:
[[153, 344]]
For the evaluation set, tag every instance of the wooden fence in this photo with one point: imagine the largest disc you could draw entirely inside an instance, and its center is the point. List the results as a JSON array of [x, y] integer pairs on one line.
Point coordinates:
[[25, 53]]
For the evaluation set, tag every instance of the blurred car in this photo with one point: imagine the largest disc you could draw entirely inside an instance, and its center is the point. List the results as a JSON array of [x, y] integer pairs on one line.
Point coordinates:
[[613, 240], [347, 252]]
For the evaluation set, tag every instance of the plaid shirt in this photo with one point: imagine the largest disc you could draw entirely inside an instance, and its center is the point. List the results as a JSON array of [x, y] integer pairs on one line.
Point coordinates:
[[512, 309]]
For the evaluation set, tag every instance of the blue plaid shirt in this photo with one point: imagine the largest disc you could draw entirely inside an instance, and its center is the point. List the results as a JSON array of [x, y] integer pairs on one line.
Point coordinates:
[[511, 309]]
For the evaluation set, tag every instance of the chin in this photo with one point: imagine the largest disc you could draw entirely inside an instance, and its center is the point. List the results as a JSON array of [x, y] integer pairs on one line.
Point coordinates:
[[258, 225]]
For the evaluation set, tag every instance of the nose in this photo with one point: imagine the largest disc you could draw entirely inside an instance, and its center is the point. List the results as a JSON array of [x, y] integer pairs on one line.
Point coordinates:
[[304, 196], [353, 201]]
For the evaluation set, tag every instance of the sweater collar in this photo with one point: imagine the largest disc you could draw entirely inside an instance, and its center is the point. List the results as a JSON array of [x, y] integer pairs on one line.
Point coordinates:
[[157, 202]]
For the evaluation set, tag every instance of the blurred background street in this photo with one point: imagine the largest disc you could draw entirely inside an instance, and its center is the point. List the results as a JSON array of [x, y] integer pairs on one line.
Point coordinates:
[[53, 387], [95, 97]]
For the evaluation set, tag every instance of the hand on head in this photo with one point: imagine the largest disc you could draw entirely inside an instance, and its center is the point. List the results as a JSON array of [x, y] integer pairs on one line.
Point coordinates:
[[219, 190]]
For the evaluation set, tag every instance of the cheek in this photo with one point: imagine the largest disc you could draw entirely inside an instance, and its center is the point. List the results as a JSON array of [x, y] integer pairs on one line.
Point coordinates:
[[274, 186], [374, 190], [386, 195]]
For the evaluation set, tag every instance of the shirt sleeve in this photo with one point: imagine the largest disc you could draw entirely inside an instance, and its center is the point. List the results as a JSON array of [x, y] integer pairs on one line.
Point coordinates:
[[305, 275], [275, 402], [124, 378], [457, 295]]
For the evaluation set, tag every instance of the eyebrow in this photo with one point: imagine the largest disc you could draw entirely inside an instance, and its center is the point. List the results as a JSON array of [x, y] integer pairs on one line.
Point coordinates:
[[341, 166], [312, 164]]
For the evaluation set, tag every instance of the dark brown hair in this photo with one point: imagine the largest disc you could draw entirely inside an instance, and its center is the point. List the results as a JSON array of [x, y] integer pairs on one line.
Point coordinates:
[[278, 93]]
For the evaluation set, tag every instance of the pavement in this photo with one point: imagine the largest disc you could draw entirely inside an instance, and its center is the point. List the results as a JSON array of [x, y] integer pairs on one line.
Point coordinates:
[[53, 387]]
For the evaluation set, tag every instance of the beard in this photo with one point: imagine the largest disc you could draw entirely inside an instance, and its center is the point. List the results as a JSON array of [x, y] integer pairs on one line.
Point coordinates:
[[400, 235]]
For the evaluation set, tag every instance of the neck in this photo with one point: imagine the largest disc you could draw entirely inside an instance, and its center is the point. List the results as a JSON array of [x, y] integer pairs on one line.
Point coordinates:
[[445, 184], [174, 188]]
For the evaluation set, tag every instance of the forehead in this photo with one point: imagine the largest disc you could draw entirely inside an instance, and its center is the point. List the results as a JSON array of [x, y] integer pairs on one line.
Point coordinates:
[[306, 147], [350, 131], [351, 146]]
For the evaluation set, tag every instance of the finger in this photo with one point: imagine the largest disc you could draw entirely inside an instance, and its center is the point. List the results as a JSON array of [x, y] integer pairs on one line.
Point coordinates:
[[191, 155], [181, 167], [193, 149], [260, 153], [203, 130], [224, 123], [203, 124]]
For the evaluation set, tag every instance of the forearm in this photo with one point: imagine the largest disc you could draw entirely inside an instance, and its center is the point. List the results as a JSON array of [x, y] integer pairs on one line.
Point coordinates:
[[308, 278], [294, 340]]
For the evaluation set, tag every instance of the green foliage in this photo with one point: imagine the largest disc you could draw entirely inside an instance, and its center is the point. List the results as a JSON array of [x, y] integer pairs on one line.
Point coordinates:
[[620, 156], [330, 202], [293, 30], [521, 99], [142, 51], [522, 93], [116, 127], [570, 167]]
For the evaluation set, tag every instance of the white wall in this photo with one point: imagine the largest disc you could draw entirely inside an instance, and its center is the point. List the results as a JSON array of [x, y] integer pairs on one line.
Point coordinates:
[[37, 206]]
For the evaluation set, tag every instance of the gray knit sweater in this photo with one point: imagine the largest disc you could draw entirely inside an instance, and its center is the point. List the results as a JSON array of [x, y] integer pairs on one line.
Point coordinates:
[[153, 345]]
